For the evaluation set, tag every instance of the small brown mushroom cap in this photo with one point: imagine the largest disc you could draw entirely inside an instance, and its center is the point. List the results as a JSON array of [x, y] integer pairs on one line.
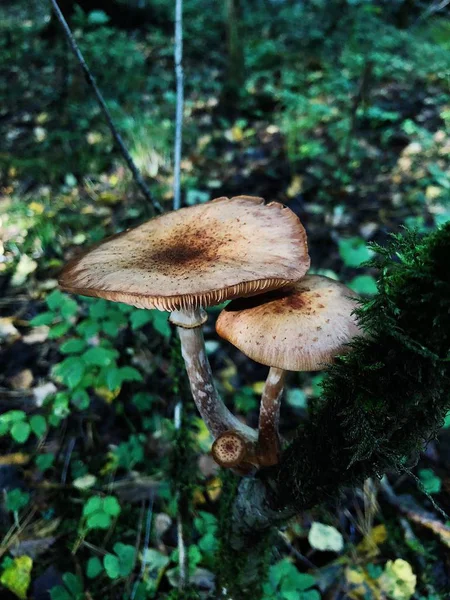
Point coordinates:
[[229, 449], [196, 256], [300, 328]]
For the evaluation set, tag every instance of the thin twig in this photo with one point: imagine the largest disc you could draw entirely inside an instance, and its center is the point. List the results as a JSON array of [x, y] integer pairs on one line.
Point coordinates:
[[148, 526], [180, 97], [182, 556], [116, 135]]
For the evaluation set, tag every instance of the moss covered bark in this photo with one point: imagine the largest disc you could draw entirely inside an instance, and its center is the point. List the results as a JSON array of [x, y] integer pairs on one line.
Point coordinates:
[[380, 403]]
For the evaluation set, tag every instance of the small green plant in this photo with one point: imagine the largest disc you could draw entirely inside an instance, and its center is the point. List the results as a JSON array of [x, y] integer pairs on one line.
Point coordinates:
[[431, 482], [98, 513], [20, 426], [287, 583], [71, 590], [16, 499], [121, 563]]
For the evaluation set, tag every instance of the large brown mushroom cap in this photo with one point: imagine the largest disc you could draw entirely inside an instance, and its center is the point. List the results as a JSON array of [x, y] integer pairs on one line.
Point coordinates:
[[196, 256], [301, 328]]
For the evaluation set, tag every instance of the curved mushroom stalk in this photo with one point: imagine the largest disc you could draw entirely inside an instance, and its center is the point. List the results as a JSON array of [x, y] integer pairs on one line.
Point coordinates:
[[213, 411], [269, 443]]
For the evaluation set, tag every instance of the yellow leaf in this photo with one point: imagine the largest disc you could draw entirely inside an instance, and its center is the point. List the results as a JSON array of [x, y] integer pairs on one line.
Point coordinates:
[[41, 118], [237, 134], [226, 375], [198, 498], [214, 488], [14, 459], [109, 198], [258, 387], [398, 580], [36, 207], [17, 577], [296, 186], [370, 543], [360, 584], [107, 395]]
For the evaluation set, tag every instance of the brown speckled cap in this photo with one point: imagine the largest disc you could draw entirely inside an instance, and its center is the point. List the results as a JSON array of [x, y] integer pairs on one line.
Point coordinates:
[[196, 256], [300, 328]]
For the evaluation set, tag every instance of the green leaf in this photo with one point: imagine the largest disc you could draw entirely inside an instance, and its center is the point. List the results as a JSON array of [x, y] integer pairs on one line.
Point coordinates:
[[296, 397], [161, 323], [68, 307], [112, 566], [72, 346], [17, 576], [70, 370], [97, 17], [13, 416], [155, 560], [144, 401], [94, 567], [93, 505], [16, 499], [20, 431], [430, 481], [98, 356], [99, 520], [44, 461], [113, 378], [364, 284], [80, 399], [45, 318], [127, 555], [110, 328], [60, 593], [73, 583], [353, 251], [130, 374], [38, 425], [98, 309], [54, 300], [140, 317], [58, 330], [111, 506], [88, 328]]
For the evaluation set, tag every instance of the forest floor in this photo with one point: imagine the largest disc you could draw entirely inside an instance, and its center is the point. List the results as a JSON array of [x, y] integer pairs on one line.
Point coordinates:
[[352, 131]]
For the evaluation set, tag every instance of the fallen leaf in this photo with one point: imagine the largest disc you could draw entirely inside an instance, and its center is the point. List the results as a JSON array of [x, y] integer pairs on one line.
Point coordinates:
[[17, 576], [398, 580], [325, 537], [17, 458], [369, 546]]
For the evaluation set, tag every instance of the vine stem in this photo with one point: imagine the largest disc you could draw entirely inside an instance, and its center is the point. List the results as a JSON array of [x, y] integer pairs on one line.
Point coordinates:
[[101, 101]]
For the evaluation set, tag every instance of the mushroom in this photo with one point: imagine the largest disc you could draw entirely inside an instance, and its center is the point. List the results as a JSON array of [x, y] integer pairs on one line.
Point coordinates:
[[229, 449], [298, 328], [190, 259]]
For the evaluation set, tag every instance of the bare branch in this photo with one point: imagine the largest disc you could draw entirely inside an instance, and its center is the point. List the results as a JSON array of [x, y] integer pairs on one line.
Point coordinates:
[[116, 135]]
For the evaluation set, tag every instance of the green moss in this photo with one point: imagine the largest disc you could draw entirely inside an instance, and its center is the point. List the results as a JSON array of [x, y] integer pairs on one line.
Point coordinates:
[[383, 400], [240, 575]]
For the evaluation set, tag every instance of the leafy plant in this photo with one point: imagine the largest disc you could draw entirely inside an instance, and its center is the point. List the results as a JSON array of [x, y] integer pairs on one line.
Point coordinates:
[[121, 563], [98, 512], [71, 590], [287, 583]]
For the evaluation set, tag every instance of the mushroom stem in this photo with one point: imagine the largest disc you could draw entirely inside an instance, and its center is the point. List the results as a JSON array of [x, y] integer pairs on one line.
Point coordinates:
[[269, 445], [213, 411]]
